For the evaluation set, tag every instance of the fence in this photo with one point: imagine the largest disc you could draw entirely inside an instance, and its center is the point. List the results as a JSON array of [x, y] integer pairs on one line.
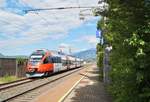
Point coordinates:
[[10, 67]]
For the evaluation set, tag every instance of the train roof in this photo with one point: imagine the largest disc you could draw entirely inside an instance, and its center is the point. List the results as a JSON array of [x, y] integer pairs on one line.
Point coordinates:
[[55, 53], [40, 51]]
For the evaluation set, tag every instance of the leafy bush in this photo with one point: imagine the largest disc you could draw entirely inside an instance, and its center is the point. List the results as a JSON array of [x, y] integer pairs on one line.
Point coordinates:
[[128, 29], [21, 60], [100, 54]]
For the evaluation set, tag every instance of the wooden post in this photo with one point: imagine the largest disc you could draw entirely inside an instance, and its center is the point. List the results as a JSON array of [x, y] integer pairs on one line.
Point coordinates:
[[16, 73]]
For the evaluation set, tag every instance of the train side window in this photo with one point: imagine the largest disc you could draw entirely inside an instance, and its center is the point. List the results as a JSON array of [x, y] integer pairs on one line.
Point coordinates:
[[56, 59], [67, 62], [63, 62], [50, 59], [45, 60], [59, 59], [53, 59]]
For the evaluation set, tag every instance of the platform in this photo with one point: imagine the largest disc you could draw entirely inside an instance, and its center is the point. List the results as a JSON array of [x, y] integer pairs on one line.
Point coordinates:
[[82, 86], [89, 89]]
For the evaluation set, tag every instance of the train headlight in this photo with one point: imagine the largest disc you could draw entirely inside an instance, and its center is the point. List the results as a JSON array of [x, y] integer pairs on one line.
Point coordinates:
[[38, 64], [32, 70]]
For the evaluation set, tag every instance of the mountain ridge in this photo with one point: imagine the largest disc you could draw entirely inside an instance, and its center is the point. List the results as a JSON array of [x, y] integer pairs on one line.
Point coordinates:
[[88, 55]]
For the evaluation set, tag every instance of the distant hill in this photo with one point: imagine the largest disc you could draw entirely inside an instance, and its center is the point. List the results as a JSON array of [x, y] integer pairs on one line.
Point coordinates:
[[1, 55], [88, 55], [17, 56]]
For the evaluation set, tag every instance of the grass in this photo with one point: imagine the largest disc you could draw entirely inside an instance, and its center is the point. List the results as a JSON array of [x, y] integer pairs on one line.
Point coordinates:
[[7, 79]]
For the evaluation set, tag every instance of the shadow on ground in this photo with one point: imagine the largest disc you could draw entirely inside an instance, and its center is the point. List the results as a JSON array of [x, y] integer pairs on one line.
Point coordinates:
[[94, 92]]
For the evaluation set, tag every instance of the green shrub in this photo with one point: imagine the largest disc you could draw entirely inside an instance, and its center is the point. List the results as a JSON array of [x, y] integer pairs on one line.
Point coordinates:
[[128, 29], [100, 53]]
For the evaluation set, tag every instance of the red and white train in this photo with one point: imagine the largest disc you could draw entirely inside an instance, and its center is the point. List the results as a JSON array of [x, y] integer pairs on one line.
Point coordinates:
[[44, 62]]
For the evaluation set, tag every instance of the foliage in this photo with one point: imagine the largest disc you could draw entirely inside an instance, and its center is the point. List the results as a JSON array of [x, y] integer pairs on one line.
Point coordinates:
[[128, 30], [21, 60], [100, 53]]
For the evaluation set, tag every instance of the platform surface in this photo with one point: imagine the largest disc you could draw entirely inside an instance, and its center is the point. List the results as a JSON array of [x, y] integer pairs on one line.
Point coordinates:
[[89, 89]]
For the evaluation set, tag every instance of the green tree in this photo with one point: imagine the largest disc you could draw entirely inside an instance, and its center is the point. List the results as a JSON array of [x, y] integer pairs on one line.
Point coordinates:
[[128, 30], [21, 60], [100, 53]]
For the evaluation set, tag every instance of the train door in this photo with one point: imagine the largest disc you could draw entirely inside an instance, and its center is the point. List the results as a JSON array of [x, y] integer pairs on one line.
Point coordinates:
[[64, 64], [57, 64], [46, 66]]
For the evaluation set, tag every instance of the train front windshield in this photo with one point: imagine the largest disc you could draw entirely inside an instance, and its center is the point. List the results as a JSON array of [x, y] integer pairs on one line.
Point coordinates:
[[35, 59]]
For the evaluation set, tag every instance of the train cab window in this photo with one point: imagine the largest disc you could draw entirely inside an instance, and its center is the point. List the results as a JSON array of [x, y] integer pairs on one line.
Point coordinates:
[[45, 60]]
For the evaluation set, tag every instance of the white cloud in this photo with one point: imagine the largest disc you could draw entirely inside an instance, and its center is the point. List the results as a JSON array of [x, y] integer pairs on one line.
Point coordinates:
[[91, 39], [30, 28], [64, 45], [2, 2], [67, 48]]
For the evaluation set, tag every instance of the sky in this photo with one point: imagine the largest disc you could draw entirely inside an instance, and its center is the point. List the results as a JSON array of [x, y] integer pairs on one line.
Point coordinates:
[[23, 32]]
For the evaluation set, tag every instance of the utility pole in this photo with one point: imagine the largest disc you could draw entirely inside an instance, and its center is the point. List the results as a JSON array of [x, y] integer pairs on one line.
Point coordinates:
[[107, 49]]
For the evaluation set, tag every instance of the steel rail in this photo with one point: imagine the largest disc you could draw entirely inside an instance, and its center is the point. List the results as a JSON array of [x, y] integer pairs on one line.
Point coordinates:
[[19, 94], [15, 83]]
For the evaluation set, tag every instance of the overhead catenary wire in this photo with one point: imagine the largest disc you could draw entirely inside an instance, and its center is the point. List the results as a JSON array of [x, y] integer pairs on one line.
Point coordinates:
[[81, 9], [44, 19], [60, 8]]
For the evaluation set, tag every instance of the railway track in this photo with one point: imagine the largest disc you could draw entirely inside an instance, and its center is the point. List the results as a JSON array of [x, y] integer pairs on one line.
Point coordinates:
[[8, 94], [12, 82], [15, 83]]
